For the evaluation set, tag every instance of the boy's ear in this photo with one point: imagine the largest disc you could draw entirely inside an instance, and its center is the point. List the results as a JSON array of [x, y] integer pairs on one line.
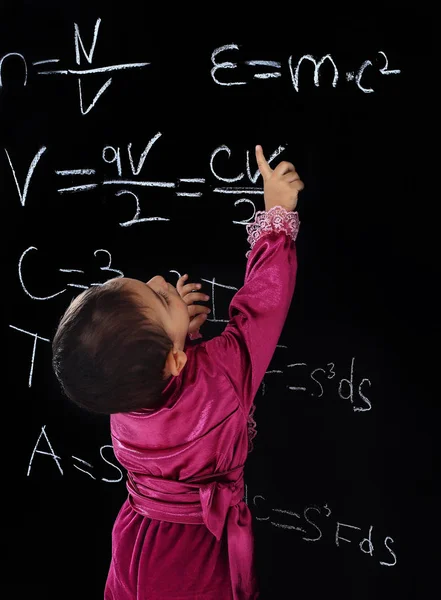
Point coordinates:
[[175, 362]]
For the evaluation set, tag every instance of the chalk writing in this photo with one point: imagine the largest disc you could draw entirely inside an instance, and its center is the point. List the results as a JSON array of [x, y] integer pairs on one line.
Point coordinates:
[[2, 60], [114, 155], [80, 53], [351, 387], [308, 522], [272, 69], [34, 348], [227, 79], [347, 389], [330, 374], [214, 286], [107, 268], [23, 193], [48, 451]]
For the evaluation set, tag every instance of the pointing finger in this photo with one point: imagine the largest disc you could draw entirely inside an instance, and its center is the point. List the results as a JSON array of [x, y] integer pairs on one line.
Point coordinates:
[[264, 168]]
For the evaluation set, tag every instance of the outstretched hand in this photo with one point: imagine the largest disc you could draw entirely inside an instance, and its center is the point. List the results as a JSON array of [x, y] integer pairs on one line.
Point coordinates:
[[281, 186], [189, 294]]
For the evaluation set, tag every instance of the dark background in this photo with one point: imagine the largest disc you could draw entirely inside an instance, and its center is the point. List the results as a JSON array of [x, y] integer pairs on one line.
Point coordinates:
[[365, 294]]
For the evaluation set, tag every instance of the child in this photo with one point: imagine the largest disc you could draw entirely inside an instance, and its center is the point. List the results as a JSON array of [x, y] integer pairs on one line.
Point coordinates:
[[181, 412]]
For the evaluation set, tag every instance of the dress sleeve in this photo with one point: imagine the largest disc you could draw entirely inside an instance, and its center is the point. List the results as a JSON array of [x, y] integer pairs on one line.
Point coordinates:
[[259, 309]]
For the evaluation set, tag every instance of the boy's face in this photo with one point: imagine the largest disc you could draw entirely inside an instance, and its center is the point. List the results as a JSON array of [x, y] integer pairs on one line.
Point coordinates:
[[164, 305]]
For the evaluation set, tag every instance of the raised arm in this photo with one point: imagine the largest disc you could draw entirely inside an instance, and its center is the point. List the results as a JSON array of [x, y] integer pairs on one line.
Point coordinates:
[[259, 309]]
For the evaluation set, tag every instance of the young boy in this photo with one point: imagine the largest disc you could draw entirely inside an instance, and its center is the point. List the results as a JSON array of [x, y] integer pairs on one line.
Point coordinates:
[[181, 413]]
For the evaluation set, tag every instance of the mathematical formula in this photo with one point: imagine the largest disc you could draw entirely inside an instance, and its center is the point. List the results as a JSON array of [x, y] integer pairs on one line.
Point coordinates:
[[230, 78], [310, 523], [124, 178], [352, 387], [222, 71], [122, 169], [43, 447], [349, 388], [78, 73]]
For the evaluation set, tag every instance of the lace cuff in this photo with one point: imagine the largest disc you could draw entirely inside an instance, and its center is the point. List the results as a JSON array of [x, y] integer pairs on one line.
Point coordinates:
[[276, 219]]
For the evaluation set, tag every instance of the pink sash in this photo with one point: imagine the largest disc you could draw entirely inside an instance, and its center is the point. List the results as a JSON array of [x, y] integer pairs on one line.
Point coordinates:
[[205, 501]]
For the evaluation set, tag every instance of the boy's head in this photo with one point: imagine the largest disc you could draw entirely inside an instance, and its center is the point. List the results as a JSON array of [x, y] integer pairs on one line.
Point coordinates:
[[117, 344]]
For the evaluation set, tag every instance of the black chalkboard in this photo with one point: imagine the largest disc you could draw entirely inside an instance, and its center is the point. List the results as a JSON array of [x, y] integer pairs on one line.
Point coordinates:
[[160, 110]]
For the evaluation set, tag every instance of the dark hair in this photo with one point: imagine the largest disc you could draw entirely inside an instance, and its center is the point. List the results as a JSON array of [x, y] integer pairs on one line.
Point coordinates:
[[108, 355]]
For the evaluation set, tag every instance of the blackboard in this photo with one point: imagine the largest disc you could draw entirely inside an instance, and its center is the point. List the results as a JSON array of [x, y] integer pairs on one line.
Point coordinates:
[[127, 136]]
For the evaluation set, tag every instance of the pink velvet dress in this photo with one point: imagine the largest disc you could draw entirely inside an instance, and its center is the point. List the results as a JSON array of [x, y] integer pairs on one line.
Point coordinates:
[[185, 531]]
